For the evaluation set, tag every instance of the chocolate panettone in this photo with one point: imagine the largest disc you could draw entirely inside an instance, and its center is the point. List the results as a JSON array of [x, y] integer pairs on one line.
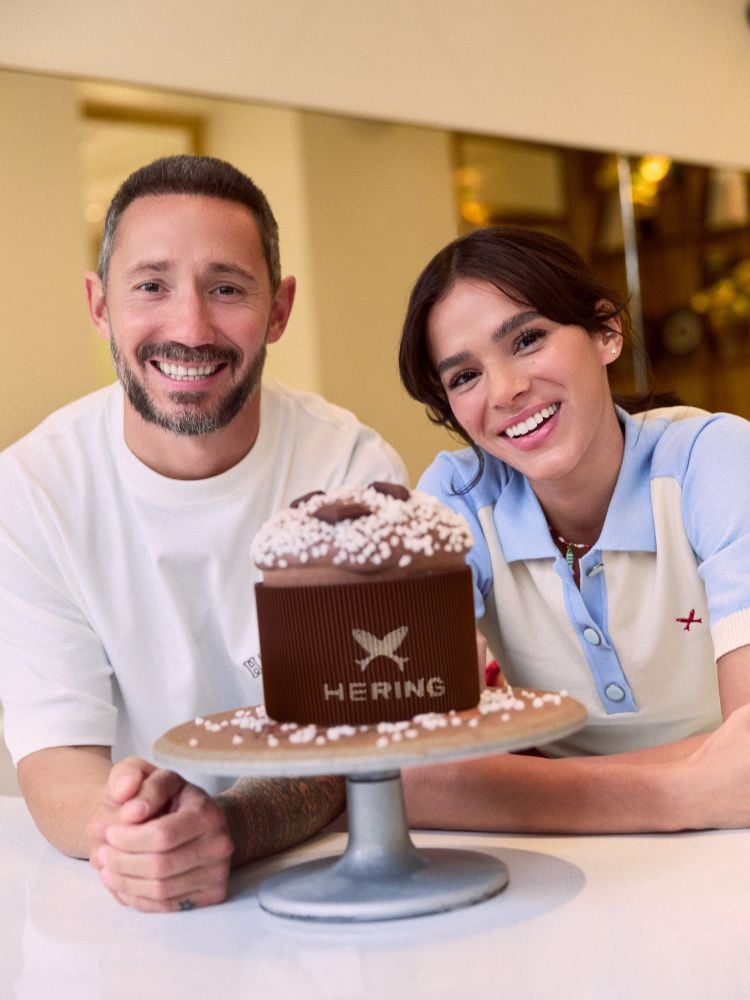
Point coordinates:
[[366, 610]]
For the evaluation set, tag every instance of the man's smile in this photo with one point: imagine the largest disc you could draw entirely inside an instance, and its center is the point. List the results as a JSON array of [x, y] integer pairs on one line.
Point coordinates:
[[186, 373]]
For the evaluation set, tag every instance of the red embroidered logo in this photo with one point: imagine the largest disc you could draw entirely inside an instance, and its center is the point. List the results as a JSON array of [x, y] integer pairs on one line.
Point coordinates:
[[690, 620]]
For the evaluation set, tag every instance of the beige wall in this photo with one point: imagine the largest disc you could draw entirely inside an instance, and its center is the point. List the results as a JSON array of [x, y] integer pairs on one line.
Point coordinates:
[[671, 76], [381, 203], [361, 206], [49, 354]]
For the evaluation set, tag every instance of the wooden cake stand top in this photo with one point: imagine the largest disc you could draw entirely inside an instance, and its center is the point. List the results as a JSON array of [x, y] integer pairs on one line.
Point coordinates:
[[245, 742]]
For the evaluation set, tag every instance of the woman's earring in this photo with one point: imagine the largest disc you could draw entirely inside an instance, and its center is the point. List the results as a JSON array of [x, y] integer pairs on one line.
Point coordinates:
[[614, 349]]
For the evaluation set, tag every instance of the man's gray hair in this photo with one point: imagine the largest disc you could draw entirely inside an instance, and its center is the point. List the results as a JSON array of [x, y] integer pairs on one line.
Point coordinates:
[[203, 175]]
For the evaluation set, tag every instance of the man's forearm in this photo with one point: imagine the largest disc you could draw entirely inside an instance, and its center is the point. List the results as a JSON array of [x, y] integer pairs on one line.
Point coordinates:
[[63, 787], [267, 815]]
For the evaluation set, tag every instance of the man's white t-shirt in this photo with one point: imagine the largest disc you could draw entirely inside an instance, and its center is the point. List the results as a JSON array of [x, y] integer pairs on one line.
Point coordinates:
[[126, 598]]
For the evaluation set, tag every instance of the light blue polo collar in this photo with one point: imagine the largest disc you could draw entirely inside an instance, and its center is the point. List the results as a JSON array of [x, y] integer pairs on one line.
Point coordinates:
[[629, 526]]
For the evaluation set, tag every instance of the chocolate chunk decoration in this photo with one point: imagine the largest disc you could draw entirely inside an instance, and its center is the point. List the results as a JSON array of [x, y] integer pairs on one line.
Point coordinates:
[[391, 490], [332, 513], [305, 497]]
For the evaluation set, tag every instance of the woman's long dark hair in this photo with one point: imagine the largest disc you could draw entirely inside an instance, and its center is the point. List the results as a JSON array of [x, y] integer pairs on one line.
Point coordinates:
[[531, 268]]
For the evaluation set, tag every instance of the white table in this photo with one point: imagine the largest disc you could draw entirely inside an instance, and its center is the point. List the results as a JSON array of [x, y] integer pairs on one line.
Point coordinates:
[[585, 918]]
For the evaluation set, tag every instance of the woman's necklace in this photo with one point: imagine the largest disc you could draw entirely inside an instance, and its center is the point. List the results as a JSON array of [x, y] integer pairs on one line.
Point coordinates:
[[571, 548]]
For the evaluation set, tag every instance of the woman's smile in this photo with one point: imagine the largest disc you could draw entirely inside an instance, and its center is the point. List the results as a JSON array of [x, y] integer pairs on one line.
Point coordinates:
[[526, 427]]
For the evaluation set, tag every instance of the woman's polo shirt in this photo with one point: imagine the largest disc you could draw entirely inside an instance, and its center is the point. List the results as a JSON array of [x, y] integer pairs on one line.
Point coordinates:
[[664, 592]]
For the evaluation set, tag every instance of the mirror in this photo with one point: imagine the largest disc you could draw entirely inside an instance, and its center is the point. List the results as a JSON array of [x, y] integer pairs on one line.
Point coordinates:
[[361, 205]]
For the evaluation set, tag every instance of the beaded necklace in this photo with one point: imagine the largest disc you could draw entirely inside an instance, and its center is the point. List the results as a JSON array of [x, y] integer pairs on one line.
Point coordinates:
[[570, 547]]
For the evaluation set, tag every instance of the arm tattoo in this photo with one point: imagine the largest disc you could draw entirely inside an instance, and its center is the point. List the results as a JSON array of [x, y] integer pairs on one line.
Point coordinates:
[[267, 815]]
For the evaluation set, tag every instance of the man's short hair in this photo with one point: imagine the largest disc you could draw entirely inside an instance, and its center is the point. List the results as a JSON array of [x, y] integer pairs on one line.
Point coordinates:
[[203, 175]]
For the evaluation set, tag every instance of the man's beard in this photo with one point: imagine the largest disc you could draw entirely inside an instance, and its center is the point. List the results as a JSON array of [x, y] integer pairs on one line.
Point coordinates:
[[191, 420]]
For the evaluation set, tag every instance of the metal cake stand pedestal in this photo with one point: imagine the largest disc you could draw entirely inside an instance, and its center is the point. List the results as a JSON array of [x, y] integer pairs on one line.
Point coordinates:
[[381, 875]]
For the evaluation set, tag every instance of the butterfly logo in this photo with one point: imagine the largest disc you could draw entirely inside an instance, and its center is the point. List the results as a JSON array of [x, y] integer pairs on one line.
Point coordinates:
[[386, 646]]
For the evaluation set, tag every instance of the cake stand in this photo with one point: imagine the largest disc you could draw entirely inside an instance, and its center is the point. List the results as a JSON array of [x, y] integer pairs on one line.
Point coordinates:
[[381, 875]]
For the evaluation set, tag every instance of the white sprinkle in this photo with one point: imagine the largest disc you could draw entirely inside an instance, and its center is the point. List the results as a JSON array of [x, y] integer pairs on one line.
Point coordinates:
[[305, 735]]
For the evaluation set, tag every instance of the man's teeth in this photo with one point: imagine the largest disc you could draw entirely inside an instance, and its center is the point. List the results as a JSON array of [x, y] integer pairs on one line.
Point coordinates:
[[532, 422], [185, 374]]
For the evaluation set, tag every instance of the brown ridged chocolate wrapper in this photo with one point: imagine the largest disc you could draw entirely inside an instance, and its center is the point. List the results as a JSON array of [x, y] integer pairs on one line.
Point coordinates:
[[307, 641]]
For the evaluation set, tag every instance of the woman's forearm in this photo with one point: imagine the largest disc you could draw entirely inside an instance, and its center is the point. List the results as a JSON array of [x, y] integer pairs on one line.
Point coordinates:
[[525, 794], [699, 783]]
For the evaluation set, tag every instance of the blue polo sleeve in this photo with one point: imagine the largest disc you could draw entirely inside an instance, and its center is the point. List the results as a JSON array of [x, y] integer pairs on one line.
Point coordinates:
[[716, 511]]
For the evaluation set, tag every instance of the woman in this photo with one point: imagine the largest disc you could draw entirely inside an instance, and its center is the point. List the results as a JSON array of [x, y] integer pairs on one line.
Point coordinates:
[[611, 556]]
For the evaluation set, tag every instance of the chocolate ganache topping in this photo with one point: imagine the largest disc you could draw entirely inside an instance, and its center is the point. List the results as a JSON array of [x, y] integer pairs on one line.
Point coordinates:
[[378, 528]]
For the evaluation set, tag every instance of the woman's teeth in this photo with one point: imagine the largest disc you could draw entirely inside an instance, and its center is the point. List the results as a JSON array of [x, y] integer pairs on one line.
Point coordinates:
[[182, 373], [532, 422]]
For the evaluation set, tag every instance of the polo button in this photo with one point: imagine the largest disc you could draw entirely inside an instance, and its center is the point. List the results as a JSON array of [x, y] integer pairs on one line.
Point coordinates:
[[592, 636], [614, 692]]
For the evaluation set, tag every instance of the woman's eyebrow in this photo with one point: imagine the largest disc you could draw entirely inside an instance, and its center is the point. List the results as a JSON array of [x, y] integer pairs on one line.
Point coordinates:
[[513, 323], [451, 361], [506, 327]]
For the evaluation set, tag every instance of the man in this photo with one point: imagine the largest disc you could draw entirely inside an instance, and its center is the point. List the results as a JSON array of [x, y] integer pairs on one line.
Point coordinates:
[[126, 586]]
